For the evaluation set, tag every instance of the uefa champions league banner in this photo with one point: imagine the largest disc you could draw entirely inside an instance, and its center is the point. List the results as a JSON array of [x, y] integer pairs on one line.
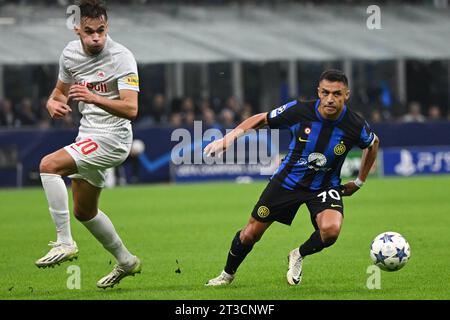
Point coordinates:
[[416, 161], [162, 155], [255, 156], [175, 154], [241, 173], [22, 150]]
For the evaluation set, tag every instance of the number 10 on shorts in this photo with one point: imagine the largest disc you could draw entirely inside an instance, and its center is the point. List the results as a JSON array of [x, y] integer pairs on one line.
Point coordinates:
[[85, 146]]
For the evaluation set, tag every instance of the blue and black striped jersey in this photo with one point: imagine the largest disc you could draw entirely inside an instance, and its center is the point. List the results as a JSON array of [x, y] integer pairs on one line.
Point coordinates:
[[318, 146]]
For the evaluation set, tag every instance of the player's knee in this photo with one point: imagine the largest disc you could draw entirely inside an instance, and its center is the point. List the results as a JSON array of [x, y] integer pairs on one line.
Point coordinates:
[[330, 233], [249, 237], [83, 214], [47, 165]]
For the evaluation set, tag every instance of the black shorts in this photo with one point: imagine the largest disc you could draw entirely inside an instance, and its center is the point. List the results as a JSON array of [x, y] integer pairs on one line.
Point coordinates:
[[280, 204]]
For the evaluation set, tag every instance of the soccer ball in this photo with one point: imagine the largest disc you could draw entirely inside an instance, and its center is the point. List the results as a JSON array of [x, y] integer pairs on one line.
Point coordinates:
[[137, 147], [390, 251]]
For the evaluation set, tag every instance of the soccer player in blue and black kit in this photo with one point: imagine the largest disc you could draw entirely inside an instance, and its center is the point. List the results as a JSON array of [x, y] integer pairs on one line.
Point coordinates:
[[323, 132]]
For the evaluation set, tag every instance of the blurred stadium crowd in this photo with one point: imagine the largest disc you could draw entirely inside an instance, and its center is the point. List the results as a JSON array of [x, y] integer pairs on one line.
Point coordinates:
[[28, 87], [158, 111], [29, 113], [374, 93]]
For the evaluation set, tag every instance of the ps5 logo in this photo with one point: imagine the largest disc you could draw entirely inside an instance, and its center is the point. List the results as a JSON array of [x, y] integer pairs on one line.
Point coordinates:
[[406, 165], [412, 162]]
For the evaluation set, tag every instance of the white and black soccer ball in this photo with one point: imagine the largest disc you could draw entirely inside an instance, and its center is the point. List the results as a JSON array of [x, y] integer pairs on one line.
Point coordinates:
[[390, 251]]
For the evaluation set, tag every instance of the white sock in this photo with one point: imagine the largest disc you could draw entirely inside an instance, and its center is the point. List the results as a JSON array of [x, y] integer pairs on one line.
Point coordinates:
[[102, 228], [58, 201]]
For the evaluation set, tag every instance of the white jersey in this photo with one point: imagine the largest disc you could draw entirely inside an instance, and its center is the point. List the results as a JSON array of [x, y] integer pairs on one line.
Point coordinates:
[[104, 74]]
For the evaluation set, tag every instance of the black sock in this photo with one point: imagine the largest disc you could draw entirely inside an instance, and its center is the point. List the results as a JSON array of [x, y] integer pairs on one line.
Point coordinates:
[[237, 254], [313, 245]]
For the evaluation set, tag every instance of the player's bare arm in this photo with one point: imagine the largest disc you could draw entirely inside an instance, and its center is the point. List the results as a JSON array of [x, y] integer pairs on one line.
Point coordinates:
[[57, 102], [219, 146], [368, 158], [126, 107]]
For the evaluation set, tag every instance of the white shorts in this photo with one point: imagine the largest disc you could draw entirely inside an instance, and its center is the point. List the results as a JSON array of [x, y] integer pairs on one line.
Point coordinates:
[[94, 154]]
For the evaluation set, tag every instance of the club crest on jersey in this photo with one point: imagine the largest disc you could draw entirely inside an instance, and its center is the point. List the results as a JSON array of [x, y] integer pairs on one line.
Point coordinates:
[[339, 149], [263, 211], [101, 74], [307, 130]]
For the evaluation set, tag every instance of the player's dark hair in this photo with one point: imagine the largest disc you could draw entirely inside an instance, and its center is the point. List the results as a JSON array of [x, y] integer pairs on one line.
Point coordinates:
[[92, 9], [334, 75]]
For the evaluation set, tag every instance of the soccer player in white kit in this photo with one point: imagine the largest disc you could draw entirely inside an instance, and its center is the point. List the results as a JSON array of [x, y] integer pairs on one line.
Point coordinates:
[[101, 75]]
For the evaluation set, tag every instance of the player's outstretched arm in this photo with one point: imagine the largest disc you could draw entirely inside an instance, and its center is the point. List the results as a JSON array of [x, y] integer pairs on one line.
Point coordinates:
[[125, 107], [368, 158], [57, 102], [220, 146]]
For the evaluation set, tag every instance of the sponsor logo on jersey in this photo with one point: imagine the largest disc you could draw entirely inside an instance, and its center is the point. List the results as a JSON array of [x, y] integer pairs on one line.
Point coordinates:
[[316, 161], [302, 162], [100, 87], [339, 149], [263, 211]]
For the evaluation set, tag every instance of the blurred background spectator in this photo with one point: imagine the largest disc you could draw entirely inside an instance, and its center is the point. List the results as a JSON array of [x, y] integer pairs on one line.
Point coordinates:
[[414, 113], [434, 113], [7, 115]]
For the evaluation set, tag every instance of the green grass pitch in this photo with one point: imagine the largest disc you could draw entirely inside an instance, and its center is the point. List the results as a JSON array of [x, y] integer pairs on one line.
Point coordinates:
[[194, 225]]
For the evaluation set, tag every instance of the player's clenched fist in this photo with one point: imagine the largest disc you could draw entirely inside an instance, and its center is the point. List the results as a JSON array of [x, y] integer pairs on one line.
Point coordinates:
[[57, 109], [349, 188], [217, 148], [81, 93]]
